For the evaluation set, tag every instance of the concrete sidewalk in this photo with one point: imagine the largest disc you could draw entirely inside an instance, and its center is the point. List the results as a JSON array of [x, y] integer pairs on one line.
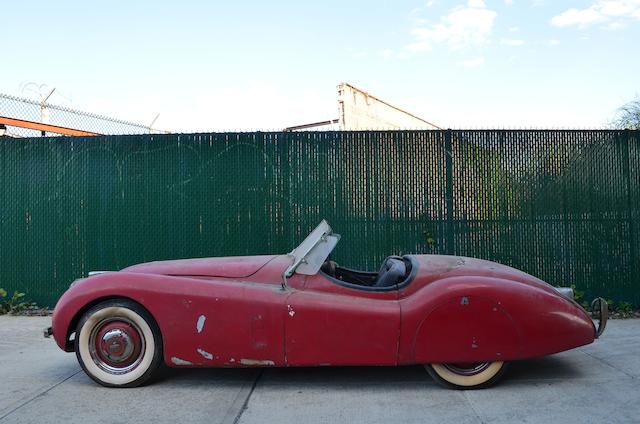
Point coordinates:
[[598, 383]]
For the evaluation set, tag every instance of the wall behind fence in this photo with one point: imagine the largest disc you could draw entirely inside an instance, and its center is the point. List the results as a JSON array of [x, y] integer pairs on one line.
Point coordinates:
[[561, 205]]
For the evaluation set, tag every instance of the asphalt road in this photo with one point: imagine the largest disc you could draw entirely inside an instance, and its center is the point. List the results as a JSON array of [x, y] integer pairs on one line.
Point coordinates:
[[597, 383]]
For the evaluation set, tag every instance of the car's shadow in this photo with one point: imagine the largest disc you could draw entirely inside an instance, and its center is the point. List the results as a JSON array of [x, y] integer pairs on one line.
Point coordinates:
[[532, 370], [556, 367], [189, 376]]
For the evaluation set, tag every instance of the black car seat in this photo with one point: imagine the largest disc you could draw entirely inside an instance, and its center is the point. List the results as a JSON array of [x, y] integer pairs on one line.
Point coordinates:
[[392, 272]]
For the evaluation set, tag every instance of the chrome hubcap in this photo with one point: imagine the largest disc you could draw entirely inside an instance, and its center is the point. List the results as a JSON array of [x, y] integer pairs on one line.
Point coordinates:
[[116, 345], [467, 369]]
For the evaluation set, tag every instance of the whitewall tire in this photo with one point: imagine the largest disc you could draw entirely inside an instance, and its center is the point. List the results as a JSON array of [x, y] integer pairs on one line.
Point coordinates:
[[467, 376], [118, 343]]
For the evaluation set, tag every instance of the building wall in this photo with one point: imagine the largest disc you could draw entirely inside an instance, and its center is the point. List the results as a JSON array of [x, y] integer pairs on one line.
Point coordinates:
[[359, 110]]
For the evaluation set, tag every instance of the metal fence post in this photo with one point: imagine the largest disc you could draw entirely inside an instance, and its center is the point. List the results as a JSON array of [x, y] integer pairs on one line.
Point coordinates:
[[449, 226], [625, 139]]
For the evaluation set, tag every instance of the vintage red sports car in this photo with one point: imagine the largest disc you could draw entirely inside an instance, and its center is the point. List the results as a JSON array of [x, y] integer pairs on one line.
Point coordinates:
[[463, 318]]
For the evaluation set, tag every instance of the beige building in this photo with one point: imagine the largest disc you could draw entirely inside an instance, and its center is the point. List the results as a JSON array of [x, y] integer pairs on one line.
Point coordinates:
[[359, 110]]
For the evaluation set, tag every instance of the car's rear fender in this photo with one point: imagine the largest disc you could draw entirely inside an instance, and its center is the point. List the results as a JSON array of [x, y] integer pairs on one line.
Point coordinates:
[[469, 319]]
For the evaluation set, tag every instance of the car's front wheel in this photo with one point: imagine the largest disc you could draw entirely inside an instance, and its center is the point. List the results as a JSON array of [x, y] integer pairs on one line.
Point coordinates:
[[118, 343], [476, 375]]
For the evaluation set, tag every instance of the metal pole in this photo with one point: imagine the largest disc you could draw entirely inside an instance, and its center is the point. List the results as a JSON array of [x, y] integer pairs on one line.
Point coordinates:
[[449, 237]]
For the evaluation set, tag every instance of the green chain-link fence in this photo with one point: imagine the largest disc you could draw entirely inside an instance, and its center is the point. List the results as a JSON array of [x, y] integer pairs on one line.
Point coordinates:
[[561, 205]]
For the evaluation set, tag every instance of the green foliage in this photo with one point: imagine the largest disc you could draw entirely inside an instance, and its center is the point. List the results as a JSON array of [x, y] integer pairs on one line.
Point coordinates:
[[429, 235], [625, 307], [13, 304], [611, 304], [430, 240], [577, 294], [621, 307], [628, 117]]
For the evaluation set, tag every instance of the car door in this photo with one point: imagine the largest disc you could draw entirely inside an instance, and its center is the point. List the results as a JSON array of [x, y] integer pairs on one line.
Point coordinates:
[[225, 323], [327, 324]]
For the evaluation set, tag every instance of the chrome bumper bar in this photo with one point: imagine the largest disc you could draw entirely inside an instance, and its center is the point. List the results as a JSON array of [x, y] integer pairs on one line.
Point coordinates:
[[600, 313]]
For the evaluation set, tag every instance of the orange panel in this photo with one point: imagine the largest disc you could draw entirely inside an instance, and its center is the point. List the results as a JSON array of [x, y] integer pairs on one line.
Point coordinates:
[[12, 122]]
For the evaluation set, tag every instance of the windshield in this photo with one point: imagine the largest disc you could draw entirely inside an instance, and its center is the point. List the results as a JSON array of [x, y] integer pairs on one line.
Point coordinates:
[[309, 256]]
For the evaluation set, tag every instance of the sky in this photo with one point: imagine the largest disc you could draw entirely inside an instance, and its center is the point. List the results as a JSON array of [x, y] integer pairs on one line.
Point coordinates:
[[248, 64]]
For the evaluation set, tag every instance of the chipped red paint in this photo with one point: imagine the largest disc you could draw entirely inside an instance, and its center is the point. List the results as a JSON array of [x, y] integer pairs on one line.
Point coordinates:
[[233, 312]]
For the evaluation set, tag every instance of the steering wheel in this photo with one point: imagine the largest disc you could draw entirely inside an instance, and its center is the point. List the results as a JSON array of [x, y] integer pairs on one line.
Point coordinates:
[[329, 267]]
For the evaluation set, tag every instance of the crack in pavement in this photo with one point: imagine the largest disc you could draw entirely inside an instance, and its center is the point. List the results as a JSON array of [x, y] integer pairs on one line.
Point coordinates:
[[38, 395], [609, 364], [239, 405], [473, 409]]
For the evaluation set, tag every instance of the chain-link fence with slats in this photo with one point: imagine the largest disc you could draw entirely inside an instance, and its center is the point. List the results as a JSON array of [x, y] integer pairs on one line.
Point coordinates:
[[561, 205]]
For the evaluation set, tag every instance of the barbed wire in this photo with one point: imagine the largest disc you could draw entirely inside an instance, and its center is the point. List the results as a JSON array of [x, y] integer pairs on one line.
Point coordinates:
[[61, 116]]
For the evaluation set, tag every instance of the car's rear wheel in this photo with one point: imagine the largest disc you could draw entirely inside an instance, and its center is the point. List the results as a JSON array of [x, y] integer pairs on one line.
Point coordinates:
[[475, 375], [118, 343]]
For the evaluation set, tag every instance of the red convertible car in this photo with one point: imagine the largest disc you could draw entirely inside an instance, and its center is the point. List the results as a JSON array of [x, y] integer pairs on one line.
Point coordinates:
[[462, 318]]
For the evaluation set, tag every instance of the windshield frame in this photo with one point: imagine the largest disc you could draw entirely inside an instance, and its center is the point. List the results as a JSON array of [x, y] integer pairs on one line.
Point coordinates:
[[309, 256]]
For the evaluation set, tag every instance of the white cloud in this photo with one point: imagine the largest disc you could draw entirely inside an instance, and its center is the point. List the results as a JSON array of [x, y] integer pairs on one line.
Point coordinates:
[[599, 11], [581, 18], [473, 63], [464, 26], [385, 53], [514, 29], [615, 26], [554, 42], [414, 15], [511, 42], [508, 2]]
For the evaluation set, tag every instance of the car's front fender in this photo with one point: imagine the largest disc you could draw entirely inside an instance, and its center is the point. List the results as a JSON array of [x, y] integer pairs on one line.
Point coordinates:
[[244, 320], [84, 293]]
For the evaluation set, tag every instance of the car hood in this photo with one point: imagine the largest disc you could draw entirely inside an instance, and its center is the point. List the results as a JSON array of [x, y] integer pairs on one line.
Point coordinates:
[[437, 267], [229, 267]]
